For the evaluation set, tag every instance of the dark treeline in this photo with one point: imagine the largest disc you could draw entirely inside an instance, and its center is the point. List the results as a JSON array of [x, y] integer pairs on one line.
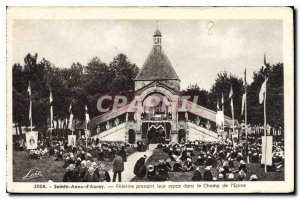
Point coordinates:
[[82, 85], [274, 103], [78, 85]]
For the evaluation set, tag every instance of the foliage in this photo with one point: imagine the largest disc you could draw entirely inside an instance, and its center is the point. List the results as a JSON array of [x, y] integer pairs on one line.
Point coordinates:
[[82, 85], [78, 85]]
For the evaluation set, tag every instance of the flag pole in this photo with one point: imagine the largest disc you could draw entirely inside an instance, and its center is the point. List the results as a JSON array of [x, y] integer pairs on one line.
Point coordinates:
[[86, 134], [223, 113], [31, 114], [246, 124], [30, 105], [265, 126]]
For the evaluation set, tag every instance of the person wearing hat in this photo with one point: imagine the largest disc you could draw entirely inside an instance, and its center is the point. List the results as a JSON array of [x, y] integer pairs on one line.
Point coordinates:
[[197, 175], [243, 166], [123, 153], [188, 165], [78, 162], [221, 177], [118, 167], [138, 165], [163, 169], [253, 178], [242, 175], [68, 161], [103, 175], [101, 155], [177, 167], [209, 161], [199, 161], [153, 174], [222, 171], [82, 169], [90, 175], [71, 175], [230, 177], [207, 176], [96, 169]]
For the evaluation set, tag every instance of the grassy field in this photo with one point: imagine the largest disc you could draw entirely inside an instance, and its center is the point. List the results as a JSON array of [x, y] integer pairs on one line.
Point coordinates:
[[187, 176], [48, 167]]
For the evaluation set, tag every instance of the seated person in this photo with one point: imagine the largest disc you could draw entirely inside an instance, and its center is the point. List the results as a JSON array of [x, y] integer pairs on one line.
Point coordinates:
[[153, 174], [162, 169], [197, 175], [207, 176], [243, 166], [71, 175], [209, 161], [177, 167], [242, 175], [188, 165], [253, 178], [199, 161]]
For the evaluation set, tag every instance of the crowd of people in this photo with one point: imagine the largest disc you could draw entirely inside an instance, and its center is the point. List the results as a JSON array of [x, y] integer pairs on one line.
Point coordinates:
[[206, 161], [80, 161], [200, 158]]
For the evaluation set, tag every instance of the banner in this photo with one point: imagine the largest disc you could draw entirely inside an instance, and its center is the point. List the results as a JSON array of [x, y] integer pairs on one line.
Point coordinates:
[[72, 140], [31, 139], [220, 118], [266, 150]]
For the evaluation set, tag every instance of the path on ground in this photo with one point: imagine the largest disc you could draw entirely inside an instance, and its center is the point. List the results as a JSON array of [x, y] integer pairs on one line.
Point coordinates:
[[128, 174]]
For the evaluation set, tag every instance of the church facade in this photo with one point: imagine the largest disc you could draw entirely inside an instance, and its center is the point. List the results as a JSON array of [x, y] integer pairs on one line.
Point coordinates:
[[169, 119]]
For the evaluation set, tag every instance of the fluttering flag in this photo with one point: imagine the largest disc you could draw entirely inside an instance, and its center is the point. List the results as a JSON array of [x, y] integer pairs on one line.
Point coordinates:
[[243, 103], [244, 95], [265, 64], [87, 116], [222, 99], [29, 89], [231, 92], [262, 91], [30, 104], [51, 97], [71, 122], [218, 107], [231, 100], [51, 109], [71, 118]]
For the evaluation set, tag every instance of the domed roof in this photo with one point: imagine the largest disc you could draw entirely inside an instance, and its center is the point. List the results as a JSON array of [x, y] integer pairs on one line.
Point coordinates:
[[157, 33], [157, 67]]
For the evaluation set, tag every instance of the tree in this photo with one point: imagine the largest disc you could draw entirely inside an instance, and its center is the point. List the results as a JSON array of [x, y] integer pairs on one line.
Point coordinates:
[[223, 85], [195, 91], [124, 74], [275, 96]]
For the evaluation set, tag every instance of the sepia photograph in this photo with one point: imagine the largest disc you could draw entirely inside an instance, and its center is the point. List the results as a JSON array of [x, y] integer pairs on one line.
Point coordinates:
[[178, 100]]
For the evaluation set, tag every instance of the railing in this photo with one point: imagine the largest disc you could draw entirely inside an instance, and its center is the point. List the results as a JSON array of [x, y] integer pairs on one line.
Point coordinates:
[[203, 130]]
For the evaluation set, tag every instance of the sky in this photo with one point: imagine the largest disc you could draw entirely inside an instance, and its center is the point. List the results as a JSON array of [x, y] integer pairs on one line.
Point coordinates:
[[197, 49]]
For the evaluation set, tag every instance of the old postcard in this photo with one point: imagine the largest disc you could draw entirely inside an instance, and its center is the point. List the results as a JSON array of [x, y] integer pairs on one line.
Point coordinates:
[[150, 100]]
